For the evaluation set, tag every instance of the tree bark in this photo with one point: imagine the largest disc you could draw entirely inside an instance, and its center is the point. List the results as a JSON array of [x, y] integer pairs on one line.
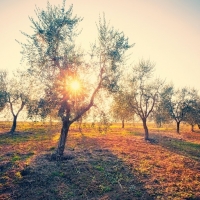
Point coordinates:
[[192, 128], [122, 123], [178, 127], [146, 131], [14, 125], [63, 137]]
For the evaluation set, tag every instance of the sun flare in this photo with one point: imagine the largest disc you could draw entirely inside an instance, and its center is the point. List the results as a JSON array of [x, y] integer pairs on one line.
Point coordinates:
[[75, 85]]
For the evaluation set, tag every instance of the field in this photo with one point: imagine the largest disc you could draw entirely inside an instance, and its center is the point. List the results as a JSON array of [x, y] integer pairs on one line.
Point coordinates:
[[117, 164]]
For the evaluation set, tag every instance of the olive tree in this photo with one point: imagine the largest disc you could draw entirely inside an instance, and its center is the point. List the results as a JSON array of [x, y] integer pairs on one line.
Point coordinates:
[[144, 90], [193, 114], [17, 90], [53, 57], [3, 75], [191, 117], [120, 108], [178, 102], [160, 114]]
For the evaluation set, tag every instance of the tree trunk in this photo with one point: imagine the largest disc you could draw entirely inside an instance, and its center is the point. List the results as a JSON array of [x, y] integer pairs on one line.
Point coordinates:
[[63, 137], [122, 123], [178, 127], [14, 125], [80, 125], [192, 128], [146, 131]]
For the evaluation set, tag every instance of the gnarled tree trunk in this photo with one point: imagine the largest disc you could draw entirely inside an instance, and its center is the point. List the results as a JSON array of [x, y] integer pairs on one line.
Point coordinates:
[[63, 137], [14, 125], [178, 127], [146, 131], [192, 127], [122, 123], [64, 112]]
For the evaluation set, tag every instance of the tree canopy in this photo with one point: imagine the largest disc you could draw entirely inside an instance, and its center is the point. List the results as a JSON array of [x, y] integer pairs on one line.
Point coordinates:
[[144, 91], [178, 103], [53, 57]]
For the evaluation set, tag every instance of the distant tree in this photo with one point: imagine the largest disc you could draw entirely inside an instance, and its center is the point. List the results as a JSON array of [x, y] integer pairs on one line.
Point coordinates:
[[17, 96], [177, 103], [193, 114], [160, 114], [144, 92], [53, 57], [3, 93], [120, 108], [38, 108]]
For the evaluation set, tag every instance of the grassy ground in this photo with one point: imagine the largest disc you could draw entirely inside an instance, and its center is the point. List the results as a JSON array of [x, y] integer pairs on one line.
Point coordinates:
[[118, 164]]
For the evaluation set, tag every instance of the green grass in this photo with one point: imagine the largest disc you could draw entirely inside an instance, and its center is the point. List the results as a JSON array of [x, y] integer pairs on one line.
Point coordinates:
[[105, 188], [57, 173], [12, 139], [137, 133], [187, 148], [99, 168], [9, 139], [17, 157]]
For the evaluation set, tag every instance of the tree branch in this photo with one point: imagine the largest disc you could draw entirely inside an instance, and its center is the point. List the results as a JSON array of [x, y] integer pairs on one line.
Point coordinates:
[[91, 99]]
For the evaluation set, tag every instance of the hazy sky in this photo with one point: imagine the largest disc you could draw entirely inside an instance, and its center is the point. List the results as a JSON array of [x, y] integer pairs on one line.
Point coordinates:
[[164, 31]]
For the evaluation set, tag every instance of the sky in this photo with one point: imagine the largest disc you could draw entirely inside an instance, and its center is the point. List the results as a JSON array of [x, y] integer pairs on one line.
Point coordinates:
[[165, 31]]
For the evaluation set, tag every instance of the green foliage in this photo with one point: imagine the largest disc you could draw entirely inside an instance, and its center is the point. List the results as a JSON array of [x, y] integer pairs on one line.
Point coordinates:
[[3, 91], [120, 107], [39, 108], [161, 115], [110, 50], [143, 71], [104, 123], [50, 48], [193, 113], [3, 98], [113, 43], [179, 104], [143, 92], [14, 94]]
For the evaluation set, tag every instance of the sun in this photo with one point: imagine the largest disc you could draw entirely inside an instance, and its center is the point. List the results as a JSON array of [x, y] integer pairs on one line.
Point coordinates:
[[75, 85]]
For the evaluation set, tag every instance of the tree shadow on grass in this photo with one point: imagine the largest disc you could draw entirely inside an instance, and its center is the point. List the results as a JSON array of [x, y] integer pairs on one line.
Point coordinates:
[[90, 172], [8, 138], [180, 146]]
